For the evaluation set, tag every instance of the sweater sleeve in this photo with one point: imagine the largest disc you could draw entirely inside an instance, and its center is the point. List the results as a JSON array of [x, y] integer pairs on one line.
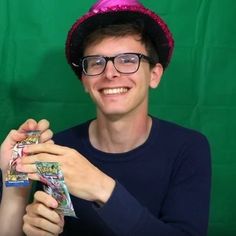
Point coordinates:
[[185, 208]]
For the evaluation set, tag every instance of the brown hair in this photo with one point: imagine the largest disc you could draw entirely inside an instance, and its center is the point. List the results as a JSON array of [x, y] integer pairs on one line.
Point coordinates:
[[120, 30]]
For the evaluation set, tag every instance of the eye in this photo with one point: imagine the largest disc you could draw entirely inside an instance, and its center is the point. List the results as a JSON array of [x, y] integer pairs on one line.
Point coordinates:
[[95, 62], [127, 59]]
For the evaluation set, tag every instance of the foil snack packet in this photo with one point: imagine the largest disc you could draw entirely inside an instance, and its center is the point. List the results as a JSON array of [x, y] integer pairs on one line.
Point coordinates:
[[15, 178], [51, 176]]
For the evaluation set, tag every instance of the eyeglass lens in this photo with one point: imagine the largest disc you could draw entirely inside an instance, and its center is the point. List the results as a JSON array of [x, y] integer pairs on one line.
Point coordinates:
[[124, 63]]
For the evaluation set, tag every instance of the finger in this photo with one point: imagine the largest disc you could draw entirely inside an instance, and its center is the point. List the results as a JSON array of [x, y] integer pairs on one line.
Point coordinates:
[[44, 206], [46, 133], [43, 125], [50, 141], [30, 169], [34, 177], [40, 226], [46, 136], [37, 209], [18, 135], [13, 137], [32, 159], [26, 168], [29, 124], [45, 148], [34, 231], [46, 199], [62, 222]]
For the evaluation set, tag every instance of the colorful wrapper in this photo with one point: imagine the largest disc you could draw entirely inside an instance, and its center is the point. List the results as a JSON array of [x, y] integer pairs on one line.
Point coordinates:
[[15, 178], [53, 183]]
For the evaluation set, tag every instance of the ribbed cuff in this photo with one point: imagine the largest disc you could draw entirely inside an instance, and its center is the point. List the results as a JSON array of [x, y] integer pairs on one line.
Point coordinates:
[[121, 212]]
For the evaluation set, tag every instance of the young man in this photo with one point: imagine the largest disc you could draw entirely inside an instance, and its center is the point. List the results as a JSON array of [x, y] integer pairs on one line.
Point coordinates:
[[127, 172]]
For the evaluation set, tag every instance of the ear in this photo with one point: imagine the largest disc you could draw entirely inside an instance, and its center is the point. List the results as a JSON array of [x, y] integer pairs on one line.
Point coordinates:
[[156, 74]]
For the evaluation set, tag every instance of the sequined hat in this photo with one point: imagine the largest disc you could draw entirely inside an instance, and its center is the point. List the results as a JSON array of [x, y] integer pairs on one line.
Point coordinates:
[[105, 12]]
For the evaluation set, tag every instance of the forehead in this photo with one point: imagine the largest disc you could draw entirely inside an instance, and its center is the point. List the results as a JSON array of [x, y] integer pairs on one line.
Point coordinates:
[[111, 45]]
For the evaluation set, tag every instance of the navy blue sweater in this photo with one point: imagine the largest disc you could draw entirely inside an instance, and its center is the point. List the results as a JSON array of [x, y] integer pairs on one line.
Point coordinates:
[[162, 187]]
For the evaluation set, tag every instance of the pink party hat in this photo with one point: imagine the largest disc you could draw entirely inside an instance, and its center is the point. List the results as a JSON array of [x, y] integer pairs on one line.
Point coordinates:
[[107, 12]]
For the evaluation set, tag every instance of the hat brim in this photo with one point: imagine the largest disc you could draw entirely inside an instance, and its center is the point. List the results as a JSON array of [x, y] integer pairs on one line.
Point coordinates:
[[154, 26]]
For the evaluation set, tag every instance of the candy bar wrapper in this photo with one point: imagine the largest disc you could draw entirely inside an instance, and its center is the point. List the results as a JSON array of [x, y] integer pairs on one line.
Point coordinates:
[[53, 183], [15, 178]]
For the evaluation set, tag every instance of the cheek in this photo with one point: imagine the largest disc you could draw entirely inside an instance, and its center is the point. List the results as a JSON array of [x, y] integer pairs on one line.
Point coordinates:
[[89, 88], [86, 84], [145, 78]]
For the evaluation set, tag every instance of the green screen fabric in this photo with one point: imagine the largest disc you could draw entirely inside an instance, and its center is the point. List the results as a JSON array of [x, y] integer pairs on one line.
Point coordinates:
[[198, 90]]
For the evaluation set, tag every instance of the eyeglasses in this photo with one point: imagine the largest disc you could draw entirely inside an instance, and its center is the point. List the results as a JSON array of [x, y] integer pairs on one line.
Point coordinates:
[[125, 63]]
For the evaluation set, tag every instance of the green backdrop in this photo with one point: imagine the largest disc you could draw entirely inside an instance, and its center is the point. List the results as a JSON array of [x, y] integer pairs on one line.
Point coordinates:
[[198, 90]]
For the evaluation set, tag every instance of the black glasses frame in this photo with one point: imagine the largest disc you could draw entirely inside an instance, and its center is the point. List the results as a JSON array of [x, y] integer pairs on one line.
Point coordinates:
[[140, 56]]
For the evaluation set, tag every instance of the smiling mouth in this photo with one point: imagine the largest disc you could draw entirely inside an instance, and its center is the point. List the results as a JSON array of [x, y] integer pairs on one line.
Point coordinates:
[[114, 91]]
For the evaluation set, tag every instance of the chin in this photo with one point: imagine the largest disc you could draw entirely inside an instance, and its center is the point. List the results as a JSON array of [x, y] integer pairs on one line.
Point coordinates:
[[114, 113]]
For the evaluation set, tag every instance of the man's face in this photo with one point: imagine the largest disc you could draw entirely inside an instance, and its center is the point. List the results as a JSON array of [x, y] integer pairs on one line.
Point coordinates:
[[117, 94]]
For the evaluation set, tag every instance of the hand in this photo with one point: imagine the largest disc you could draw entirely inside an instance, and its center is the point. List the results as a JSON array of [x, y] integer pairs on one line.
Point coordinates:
[[41, 218], [83, 179], [14, 200], [18, 135]]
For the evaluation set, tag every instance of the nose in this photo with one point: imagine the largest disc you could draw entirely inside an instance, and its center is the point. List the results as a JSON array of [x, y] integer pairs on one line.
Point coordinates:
[[110, 71]]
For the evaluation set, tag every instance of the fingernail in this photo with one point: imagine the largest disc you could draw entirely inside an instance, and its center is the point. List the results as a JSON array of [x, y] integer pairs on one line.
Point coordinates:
[[25, 150], [54, 204]]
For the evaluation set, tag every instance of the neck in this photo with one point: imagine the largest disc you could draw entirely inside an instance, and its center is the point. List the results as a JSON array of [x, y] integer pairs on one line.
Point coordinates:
[[121, 135]]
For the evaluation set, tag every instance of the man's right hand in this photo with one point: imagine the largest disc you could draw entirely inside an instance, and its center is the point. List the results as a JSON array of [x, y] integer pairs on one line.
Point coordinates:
[[41, 217], [15, 136], [14, 200]]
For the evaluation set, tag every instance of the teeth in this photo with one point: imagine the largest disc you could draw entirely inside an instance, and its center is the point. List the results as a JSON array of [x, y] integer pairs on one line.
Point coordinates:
[[114, 91]]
